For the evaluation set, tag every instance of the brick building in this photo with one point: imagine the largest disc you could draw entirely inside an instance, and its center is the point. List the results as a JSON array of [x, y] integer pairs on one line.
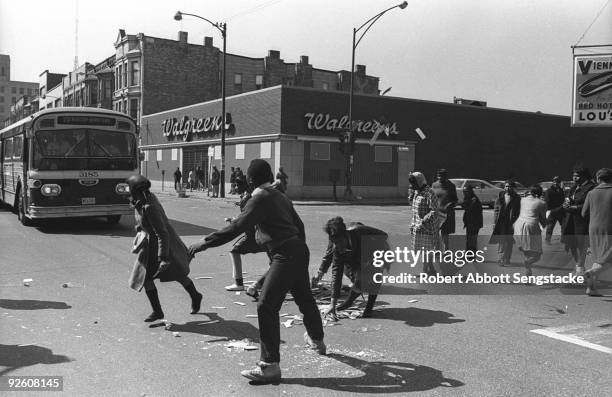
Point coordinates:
[[153, 74], [295, 127], [48, 82], [11, 91]]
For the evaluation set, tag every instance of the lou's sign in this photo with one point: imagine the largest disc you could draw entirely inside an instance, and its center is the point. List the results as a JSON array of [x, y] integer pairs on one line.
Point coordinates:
[[186, 127]]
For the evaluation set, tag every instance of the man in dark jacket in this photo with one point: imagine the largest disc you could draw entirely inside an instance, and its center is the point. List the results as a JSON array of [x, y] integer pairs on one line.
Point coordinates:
[[554, 198], [472, 218], [507, 211], [177, 178], [446, 192], [350, 248], [280, 229], [575, 228], [215, 180]]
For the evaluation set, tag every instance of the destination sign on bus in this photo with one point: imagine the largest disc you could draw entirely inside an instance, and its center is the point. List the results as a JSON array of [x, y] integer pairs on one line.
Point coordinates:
[[86, 120]]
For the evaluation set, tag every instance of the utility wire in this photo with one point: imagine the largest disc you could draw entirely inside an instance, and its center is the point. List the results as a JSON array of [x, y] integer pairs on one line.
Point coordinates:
[[253, 9], [596, 17]]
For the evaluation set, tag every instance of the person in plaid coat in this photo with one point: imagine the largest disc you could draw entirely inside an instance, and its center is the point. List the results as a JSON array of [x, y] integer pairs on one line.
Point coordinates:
[[426, 219]]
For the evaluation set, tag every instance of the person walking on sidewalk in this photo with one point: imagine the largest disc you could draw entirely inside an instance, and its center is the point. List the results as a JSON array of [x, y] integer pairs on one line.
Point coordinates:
[[215, 180], [178, 179], [507, 210], [200, 177], [554, 197], [472, 218], [527, 227], [446, 193], [192, 181], [281, 231], [161, 252], [575, 228], [349, 251], [598, 209]]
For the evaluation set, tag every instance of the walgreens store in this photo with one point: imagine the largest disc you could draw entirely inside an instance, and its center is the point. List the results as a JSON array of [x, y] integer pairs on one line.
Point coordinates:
[[294, 128]]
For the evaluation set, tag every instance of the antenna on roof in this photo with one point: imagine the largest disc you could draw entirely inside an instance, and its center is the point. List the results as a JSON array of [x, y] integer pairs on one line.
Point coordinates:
[[76, 36]]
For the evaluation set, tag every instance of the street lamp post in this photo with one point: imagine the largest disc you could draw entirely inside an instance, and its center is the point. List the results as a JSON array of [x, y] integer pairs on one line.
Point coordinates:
[[222, 27], [348, 192]]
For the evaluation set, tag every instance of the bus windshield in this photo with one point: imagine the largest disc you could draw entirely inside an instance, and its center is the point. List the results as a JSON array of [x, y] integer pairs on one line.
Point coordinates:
[[78, 149]]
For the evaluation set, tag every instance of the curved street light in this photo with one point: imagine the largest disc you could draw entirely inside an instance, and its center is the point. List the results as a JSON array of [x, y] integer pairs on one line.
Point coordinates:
[[348, 192], [222, 27]]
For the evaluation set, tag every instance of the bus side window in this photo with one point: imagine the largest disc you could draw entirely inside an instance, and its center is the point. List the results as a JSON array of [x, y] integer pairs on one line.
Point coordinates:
[[17, 147], [8, 148]]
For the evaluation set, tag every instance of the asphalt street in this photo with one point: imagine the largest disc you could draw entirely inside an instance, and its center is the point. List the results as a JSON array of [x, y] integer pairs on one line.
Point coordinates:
[[78, 319]]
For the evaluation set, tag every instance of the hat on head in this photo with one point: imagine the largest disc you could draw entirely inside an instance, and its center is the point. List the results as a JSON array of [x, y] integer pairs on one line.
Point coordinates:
[[138, 182], [556, 179], [442, 171]]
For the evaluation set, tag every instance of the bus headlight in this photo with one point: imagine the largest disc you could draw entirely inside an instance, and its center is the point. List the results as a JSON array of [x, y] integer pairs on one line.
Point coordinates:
[[51, 189], [34, 183], [122, 188]]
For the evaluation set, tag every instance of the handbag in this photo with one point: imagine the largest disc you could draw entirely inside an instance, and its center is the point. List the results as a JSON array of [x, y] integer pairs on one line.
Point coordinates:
[[139, 241]]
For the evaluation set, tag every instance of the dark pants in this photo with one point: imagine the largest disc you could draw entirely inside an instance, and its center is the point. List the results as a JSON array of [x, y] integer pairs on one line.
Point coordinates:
[[177, 184], [471, 239], [504, 250], [288, 273], [551, 221]]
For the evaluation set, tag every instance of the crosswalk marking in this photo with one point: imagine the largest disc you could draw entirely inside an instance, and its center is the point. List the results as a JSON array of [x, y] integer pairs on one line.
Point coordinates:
[[583, 334]]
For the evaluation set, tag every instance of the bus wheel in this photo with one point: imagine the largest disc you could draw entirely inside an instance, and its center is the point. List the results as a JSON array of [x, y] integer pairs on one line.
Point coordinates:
[[113, 219], [25, 221]]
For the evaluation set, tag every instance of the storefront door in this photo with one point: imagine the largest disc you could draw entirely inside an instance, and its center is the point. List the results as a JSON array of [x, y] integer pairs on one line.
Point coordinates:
[[194, 157]]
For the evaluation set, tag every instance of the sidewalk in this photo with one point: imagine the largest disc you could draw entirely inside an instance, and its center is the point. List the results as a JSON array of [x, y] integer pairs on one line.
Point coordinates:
[[168, 190]]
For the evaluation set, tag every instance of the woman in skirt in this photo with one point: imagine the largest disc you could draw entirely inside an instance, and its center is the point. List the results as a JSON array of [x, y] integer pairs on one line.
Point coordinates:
[[527, 229]]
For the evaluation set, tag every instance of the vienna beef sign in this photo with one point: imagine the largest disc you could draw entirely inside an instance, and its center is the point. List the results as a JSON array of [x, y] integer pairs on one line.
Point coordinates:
[[185, 127], [592, 99], [324, 122]]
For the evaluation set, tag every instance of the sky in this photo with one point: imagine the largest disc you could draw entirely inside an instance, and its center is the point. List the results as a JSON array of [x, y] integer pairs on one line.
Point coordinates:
[[512, 54]]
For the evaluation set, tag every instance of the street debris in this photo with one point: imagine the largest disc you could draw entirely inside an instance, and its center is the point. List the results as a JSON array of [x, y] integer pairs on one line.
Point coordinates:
[[27, 281], [413, 301], [237, 292], [244, 344], [176, 334], [203, 278], [251, 316], [218, 307], [67, 285], [288, 323], [240, 303]]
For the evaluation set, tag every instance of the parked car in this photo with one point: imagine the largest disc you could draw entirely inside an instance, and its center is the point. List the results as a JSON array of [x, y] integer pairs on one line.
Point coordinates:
[[545, 185], [520, 189], [486, 191]]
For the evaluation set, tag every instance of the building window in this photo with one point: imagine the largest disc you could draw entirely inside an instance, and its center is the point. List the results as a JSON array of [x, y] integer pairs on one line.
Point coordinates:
[[29, 91], [265, 150], [17, 147], [258, 82], [325, 86], [135, 73], [1, 99], [119, 78], [13, 90], [125, 106], [174, 154], [383, 154], [13, 99], [319, 151], [125, 74], [240, 151], [1, 88], [238, 78], [134, 108], [1, 109], [21, 90], [159, 155], [2, 72]]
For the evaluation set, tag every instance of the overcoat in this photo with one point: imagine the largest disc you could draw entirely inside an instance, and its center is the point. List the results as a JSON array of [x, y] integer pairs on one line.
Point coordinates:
[[504, 217], [573, 222], [598, 210], [161, 241]]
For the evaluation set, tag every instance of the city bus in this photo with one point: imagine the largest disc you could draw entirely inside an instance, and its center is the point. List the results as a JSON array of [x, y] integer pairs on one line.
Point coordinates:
[[68, 162]]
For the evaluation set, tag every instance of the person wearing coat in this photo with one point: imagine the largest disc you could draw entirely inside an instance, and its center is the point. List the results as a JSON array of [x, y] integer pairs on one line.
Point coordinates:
[[161, 254], [575, 228], [446, 193], [598, 209], [554, 198], [215, 180], [472, 218], [527, 227], [349, 251], [426, 219], [507, 209]]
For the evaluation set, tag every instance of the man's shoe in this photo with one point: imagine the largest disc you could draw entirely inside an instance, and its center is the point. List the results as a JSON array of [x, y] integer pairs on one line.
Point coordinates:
[[367, 313], [263, 372], [580, 271], [590, 283], [154, 316], [252, 292], [196, 302], [234, 287], [316, 345]]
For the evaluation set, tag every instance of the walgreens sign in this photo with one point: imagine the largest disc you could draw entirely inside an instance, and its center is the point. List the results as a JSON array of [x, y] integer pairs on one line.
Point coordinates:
[[325, 122]]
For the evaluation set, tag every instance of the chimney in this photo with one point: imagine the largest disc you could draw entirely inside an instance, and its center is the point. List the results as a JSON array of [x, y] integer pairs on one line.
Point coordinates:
[[360, 70], [304, 59], [182, 37], [208, 41], [274, 54]]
